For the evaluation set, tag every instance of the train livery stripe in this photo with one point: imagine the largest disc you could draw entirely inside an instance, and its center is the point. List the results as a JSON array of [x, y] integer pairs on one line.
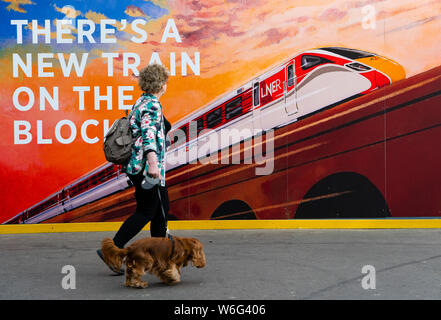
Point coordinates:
[[385, 223]]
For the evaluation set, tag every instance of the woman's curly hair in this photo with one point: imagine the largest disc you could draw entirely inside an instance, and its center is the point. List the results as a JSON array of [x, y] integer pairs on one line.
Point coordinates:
[[152, 78]]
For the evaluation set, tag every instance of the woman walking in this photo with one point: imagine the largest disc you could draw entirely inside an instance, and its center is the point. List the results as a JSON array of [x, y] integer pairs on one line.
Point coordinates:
[[147, 162]]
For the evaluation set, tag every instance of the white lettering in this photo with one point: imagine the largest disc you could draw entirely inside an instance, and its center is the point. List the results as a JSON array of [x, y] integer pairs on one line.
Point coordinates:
[[195, 67], [26, 68], [19, 24], [141, 32], [46, 31], [73, 61], [61, 30], [42, 64], [105, 31], [44, 96], [73, 131], [18, 132], [17, 104], [171, 31], [85, 33], [107, 97], [84, 131]]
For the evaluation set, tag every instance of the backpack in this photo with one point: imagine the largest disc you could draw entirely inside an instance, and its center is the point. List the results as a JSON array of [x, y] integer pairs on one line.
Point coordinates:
[[118, 141]]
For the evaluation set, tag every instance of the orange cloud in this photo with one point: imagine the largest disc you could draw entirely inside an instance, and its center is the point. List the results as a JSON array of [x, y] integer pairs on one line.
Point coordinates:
[[16, 5], [68, 11], [134, 11], [95, 16], [272, 36], [160, 3], [332, 15]]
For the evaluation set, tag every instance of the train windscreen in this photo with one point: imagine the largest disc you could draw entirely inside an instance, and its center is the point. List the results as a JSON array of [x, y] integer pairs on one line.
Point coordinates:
[[349, 53]]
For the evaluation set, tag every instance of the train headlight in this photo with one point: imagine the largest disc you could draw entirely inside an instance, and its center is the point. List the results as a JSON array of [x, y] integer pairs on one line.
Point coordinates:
[[358, 66]]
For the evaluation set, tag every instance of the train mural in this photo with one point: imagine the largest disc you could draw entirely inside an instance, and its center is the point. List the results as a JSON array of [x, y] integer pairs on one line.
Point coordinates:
[[309, 82], [346, 119]]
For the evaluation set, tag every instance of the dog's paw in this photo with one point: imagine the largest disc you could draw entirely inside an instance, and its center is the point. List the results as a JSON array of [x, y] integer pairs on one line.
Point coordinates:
[[171, 276], [139, 284], [142, 284], [174, 282]]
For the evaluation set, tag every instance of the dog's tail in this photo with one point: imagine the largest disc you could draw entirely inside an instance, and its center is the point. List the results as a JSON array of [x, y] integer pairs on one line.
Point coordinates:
[[113, 255]]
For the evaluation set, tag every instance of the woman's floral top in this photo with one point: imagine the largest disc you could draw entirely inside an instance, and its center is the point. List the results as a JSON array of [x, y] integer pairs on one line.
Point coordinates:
[[147, 124]]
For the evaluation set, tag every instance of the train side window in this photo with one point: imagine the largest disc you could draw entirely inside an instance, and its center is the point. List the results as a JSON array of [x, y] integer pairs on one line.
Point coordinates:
[[200, 124], [256, 94], [290, 75], [233, 108], [195, 124], [174, 136], [214, 118], [185, 129], [175, 139]]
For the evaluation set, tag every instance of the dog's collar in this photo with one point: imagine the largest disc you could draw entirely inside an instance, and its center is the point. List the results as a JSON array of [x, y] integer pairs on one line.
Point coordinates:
[[173, 244]]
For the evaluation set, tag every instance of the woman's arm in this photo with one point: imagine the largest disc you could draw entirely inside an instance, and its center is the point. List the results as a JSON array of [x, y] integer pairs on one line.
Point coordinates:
[[150, 124]]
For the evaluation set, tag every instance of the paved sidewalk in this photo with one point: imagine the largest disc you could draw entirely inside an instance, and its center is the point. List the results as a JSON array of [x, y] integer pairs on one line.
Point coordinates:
[[241, 264]]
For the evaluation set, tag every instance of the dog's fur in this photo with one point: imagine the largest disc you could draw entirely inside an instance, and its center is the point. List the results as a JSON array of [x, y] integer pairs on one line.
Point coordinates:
[[154, 255]]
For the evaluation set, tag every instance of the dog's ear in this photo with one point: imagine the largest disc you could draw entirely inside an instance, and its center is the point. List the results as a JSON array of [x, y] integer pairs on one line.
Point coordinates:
[[180, 251], [197, 253]]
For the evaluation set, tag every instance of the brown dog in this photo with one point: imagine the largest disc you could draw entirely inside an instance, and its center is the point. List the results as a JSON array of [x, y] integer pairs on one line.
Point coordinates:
[[159, 256]]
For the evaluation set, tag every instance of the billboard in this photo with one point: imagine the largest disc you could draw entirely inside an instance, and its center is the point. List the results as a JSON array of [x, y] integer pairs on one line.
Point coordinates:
[[275, 68]]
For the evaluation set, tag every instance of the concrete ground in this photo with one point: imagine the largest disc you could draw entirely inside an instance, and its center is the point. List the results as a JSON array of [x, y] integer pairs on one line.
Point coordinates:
[[241, 264]]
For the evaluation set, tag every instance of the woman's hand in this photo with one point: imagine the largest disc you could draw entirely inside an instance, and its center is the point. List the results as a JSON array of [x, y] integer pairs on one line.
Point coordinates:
[[153, 170]]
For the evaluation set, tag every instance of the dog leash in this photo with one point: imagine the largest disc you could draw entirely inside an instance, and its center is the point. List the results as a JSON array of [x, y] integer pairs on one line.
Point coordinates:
[[166, 222], [173, 244], [162, 207]]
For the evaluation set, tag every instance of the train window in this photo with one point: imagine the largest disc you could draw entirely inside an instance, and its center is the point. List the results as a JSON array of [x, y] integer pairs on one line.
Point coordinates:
[[195, 126], [178, 136], [175, 139], [199, 125], [185, 129], [15, 220], [52, 200], [310, 61], [214, 118], [290, 75], [233, 108], [256, 94]]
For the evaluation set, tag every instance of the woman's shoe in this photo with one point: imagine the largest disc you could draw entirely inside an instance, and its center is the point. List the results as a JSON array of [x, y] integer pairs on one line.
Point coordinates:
[[119, 272]]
